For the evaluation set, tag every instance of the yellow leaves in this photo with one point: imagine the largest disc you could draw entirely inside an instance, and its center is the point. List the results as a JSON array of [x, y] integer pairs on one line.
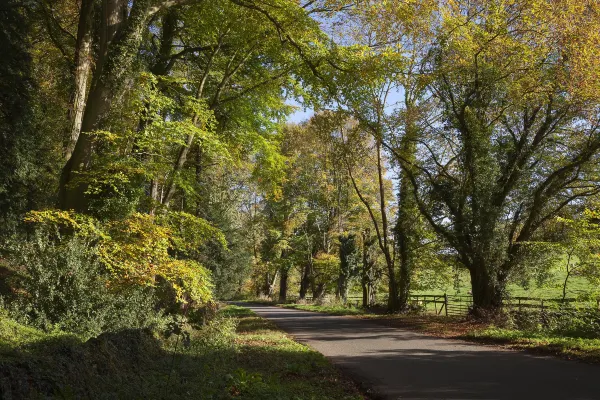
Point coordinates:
[[60, 220], [105, 136], [576, 33], [140, 248], [534, 44], [326, 267], [190, 232], [190, 280]]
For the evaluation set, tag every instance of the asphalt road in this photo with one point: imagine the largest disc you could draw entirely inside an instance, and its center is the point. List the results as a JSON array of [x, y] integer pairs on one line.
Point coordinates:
[[399, 364]]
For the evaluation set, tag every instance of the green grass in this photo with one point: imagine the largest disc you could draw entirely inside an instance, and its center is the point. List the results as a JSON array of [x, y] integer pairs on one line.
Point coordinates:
[[252, 360], [333, 309], [569, 347], [550, 288]]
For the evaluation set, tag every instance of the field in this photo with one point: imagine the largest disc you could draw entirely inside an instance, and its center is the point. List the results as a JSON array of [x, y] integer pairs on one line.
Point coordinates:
[[550, 288]]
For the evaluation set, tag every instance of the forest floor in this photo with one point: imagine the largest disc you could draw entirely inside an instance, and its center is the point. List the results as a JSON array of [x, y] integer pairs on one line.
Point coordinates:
[[400, 363], [540, 342], [255, 360]]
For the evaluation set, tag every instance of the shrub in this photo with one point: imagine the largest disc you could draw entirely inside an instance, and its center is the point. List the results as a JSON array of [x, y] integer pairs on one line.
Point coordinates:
[[565, 321], [61, 285], [140, 248], [219, 332]]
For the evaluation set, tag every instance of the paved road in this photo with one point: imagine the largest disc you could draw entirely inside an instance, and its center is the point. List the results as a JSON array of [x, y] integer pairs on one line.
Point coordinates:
[[400, 364]]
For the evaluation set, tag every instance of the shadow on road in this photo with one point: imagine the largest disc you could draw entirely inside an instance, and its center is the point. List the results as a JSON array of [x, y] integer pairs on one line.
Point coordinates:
[[406, 365]]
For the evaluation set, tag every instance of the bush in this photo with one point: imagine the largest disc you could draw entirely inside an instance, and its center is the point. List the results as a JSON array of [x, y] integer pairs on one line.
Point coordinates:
[[564, 321], [60, 284], [217, 333]]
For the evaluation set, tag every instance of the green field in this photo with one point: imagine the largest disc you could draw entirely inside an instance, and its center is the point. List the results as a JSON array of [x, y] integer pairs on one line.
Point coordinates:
[[550, 288]]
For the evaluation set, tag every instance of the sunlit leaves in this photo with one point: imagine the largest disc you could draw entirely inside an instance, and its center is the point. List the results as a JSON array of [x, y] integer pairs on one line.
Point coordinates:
[[141, 248]]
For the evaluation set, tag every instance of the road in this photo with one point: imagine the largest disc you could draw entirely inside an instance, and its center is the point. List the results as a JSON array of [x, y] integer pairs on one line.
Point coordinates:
[[400, 364]]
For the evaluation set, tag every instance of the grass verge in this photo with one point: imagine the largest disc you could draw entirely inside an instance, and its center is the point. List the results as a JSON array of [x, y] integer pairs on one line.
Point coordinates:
[[583, 349], [333, 309], [238, 356]]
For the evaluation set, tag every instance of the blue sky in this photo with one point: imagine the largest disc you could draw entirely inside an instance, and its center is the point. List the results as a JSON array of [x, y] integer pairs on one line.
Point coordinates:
[[301, 114]]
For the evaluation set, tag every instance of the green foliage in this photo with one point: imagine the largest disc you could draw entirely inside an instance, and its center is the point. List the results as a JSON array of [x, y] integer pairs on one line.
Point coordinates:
[[256, 361], [349, 263], [63, 286], [138, 249], [28, 160], [328, 309], [567, 346], [566, 320], [326, 270], [218, 332]]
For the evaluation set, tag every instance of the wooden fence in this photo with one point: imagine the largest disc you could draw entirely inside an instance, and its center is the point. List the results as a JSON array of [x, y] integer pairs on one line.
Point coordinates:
[[460, 305], [456, 305], [443, 304]]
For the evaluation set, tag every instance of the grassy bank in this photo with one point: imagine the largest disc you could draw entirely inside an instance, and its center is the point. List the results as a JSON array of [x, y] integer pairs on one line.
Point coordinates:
[[331, 309], [584, 349], [571, 346], [238, 356]]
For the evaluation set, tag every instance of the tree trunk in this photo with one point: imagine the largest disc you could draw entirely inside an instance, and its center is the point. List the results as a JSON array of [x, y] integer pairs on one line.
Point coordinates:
[[365, 293], [382, 234], [160, 68], [270, 284], [120, 39], [283, 285], [393, 301], [178, 166], [183, 151], [199, 171], [487, 293], [368, 264], [305, 281], [318, 291], [372, 294], [407, 225], [342, 289], [83, 62], [568, 266]]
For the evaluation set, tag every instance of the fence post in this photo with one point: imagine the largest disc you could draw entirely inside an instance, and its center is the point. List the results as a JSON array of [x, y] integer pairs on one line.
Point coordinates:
[[446, 303]]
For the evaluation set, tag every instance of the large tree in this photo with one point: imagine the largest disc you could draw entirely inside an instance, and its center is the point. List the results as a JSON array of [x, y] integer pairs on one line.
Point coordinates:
[[513, 140], [227, 61]]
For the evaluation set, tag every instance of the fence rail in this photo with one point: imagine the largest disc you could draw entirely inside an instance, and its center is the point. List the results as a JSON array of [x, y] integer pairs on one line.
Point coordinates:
[[460, 305], [456, 305]]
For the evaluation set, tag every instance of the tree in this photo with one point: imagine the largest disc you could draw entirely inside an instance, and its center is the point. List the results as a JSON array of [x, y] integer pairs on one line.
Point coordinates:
[[362, 158], [384, 64], [27, 162], [512, 143], [122, 27], [369, 272], [579, 240], [349, 262]]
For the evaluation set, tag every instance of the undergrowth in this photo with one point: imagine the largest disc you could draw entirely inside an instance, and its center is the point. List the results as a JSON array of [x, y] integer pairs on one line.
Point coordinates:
[[236, 355]]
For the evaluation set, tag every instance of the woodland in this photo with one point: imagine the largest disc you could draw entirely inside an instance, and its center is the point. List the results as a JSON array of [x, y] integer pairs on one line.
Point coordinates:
[[154, 157]]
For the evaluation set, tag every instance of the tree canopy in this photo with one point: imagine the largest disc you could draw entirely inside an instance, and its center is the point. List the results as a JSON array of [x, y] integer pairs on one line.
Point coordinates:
[[446, 136]]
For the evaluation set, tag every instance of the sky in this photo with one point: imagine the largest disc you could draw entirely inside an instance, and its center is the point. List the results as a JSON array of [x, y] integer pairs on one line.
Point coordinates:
[[301, 114]]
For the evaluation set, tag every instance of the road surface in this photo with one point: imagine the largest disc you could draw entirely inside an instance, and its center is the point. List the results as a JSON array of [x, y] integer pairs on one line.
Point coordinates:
[[399, 364]]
